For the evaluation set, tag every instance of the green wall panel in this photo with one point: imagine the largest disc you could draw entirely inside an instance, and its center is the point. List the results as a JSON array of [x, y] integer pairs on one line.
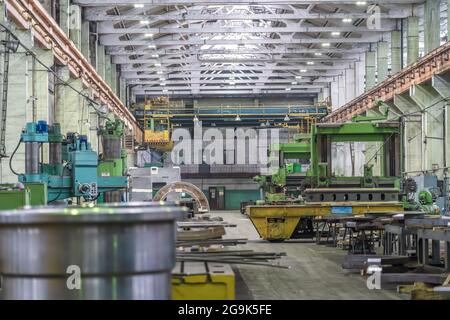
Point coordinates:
[[233, 198]]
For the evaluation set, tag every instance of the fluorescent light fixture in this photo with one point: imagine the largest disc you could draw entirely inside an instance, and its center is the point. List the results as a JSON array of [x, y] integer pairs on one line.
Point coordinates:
[[157, 64], [144, 22], [325, 44], [310, 63], [335, 33], [232, 83], [303, 70], [298, 77], [162, 84], [165, 91], [149, 35], [162, 79], [152, 46], [318, 53], [347, 20], [361, 3], [294, 83], [138, 5], [159, 72], [155, 55], [287, 89]]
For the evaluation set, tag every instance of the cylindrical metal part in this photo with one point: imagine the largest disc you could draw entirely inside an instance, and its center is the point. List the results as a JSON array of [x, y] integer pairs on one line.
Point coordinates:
[[31, 157], [111, 147], [55, 153], [121, 252]]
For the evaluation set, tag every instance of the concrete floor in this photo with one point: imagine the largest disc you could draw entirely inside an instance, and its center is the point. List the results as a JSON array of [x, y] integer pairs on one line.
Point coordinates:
[[315, 272]]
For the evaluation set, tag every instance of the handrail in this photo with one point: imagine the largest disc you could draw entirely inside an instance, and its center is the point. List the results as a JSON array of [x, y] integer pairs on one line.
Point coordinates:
[[31, 14]]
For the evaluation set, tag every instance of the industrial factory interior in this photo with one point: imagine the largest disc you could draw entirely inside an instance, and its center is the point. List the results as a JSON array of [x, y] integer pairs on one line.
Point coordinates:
[[240, 151]]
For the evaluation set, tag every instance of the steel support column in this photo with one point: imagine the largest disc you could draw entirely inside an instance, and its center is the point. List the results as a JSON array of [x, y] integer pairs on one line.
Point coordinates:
[[370, 69], [396, 51], [413, 132], [382, 61], [432, 128], [412, 40], [432, 25]]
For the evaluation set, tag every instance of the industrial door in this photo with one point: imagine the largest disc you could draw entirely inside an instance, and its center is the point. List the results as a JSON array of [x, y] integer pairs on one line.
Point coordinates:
[[216, 198]]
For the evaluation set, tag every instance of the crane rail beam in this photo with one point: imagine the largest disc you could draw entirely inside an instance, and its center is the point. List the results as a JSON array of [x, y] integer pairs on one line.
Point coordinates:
[[435, 62]]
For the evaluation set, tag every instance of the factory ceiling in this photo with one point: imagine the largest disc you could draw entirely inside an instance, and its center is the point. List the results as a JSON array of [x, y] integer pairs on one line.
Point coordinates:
[[233, 47]]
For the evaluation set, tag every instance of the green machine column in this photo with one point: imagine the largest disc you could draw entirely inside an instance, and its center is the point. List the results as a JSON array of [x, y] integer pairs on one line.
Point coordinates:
[[113, 159], [432, 25], [396, 52], [370, 70], [412, 35], [382, 61]]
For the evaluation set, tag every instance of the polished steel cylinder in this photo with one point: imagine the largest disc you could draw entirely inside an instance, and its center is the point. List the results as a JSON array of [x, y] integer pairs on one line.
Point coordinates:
[[55, 153], [31, 157], [88, 253]]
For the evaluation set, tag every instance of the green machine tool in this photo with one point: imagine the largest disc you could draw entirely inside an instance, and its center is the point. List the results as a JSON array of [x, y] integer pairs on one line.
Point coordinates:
[[71, 171], [113, 159], [294, 159], [324, 185], [311, 174]]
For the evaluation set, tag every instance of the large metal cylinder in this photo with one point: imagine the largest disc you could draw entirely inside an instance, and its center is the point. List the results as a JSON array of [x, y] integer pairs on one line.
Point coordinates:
[[121, 252], [55, 153], [31, 157]]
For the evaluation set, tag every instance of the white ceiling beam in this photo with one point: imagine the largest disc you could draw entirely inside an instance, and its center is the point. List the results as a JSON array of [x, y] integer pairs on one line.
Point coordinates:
[[135, 75], [225, 59], [96, 3], [287, 49], [128, 68], [113, 40], [192, 30], [157, 81]]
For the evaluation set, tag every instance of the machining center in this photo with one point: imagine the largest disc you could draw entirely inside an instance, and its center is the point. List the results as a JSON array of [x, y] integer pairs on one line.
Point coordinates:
[[324, 193], [72, 169]]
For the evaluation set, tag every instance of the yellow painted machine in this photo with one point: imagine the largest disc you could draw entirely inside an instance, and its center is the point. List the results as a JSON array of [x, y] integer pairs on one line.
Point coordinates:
[[157, 127], [286, 221], [203, 281]]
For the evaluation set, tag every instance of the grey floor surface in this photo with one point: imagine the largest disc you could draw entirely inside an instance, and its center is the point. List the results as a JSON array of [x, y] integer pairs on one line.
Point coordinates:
[[315, 271]]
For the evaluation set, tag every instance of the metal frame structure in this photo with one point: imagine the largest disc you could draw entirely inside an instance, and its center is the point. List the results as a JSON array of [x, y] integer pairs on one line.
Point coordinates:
[[30, 14], [238, 48], [434, 63]]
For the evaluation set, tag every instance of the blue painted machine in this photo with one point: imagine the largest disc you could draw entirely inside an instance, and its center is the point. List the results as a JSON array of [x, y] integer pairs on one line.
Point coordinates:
[[71, 170]]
